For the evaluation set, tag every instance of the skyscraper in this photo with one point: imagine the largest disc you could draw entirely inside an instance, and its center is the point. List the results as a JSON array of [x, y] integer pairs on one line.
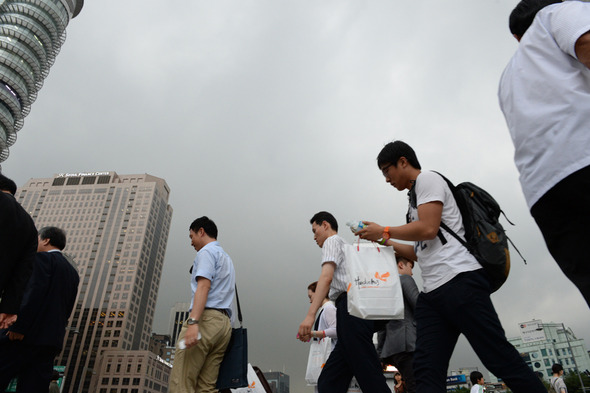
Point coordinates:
[[31, 35], [178, 315], [117, 228]]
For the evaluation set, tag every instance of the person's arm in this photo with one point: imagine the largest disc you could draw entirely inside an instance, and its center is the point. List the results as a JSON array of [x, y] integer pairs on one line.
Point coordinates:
[[425, 228], [328, 318], [199, 302], [582, 49], [328, 268], [35, 294], [409, 290]]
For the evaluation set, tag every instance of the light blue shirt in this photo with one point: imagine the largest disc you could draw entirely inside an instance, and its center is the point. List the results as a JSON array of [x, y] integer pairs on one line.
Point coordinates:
[[215, 265]]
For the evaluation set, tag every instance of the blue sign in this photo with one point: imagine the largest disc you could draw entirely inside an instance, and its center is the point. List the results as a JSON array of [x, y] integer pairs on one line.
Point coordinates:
[[456, 379]]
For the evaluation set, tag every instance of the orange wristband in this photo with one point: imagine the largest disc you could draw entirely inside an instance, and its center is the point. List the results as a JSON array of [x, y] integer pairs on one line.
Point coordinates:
[[386, 234]]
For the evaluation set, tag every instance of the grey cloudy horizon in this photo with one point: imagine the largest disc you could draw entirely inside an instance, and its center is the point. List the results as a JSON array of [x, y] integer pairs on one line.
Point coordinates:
[[260, 113]]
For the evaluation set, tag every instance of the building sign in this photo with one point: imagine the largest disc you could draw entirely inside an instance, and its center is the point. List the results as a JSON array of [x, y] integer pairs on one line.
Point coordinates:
[[532, 331], [80, 174], [456, 379]]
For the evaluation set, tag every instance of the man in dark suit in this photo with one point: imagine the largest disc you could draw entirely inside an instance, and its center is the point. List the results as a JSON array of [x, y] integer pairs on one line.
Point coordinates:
[[29, 346], [397, 342], [18, 246]]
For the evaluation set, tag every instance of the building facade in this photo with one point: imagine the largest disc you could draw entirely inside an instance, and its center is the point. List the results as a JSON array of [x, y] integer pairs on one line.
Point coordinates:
[[131, 372], [178, 315], [31, 35], [543, 344], [117, 228], [278, 381]]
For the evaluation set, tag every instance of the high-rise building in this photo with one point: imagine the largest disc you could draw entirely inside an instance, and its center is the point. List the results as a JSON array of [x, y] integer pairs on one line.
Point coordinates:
[[132, 372], [278, 381], [543, 344], [178, 315], [117, 228], [31, 35]]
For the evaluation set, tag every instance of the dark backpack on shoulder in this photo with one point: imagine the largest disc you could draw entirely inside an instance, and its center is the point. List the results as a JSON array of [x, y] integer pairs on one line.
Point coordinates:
[[485, 237]]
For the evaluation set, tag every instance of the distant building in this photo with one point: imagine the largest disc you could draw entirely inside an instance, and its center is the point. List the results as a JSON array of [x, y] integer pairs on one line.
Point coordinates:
[[178, 315], [132, 372], [158, 342], [543, 344], [31, 36], [117, 229], [279, 382]]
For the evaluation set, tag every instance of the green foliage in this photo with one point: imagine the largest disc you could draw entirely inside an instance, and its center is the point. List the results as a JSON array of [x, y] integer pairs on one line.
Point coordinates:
[[572, 381]]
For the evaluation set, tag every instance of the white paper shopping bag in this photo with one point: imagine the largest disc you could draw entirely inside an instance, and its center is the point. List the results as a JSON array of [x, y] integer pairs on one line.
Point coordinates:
[[374, 289]]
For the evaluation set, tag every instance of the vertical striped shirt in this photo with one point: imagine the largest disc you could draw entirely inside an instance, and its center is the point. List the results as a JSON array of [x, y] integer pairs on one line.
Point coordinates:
[[333, 251]]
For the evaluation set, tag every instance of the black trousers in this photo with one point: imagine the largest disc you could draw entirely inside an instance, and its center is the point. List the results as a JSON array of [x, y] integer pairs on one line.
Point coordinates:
[[563, 216], [32, 365], [354, 355], [463, 306]]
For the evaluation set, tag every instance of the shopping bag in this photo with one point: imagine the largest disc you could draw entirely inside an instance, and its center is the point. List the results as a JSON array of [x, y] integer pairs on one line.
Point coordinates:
[[319, 351], [374, 289], [233, 371], [254, 384]]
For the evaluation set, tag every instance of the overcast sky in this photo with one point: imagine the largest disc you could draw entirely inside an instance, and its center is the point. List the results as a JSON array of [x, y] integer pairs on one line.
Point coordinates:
[[261, 113]]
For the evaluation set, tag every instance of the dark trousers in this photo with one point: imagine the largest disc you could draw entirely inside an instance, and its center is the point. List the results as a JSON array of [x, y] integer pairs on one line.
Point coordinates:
[[354, 355], [563, 216], [32, 365], [403, 362], [463, 305]]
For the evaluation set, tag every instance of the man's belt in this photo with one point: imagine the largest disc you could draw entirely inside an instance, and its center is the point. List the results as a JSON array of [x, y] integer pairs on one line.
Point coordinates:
[[221, 310]]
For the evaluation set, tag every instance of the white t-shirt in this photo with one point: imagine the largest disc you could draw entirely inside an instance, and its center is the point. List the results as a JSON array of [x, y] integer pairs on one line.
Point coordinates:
[[544, 93], [558, 384], [333, 251], [440, 263], [477, 388]]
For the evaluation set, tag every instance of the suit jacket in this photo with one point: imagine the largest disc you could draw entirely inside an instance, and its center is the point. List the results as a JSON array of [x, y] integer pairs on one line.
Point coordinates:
[[18, 246], [48, 300], [399, 335]]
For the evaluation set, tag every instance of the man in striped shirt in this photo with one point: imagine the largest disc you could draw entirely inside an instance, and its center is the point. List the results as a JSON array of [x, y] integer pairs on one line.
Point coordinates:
[[354, 354]]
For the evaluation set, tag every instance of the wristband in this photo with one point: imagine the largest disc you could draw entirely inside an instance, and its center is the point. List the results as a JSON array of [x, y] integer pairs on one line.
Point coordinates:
[[324, 333], [383, 242], [386, 234]]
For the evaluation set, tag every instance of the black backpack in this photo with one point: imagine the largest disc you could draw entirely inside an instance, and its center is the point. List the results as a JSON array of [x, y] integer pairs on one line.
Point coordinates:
[[485, 237]]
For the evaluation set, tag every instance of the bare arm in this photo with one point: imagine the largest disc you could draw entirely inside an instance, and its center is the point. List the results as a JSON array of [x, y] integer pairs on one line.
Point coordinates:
[[582, 49], [304, 333], [199, 302], [425, 228]]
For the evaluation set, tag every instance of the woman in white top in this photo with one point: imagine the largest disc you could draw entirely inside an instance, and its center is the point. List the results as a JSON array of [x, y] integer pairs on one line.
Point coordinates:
[[325, 319]]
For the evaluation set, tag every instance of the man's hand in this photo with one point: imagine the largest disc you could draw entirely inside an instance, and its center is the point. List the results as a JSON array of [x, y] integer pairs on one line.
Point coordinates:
[[14, 336], [304, 333], [191, 338], [6, 320], [372, 231]]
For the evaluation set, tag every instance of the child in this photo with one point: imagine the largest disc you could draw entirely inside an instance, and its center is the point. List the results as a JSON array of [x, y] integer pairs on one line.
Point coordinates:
[[477, 381]]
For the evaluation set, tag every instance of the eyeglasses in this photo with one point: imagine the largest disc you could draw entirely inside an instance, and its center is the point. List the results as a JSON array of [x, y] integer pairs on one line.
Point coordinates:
[[385, 169]]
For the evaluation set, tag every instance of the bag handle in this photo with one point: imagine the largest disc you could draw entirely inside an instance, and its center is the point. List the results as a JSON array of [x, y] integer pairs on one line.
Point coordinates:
[[239, 308]]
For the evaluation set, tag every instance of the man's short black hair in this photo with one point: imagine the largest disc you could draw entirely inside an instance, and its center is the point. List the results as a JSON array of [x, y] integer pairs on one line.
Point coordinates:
[[207, 224], [556, 368], [320, 217], [56, 236], [475, 376], [7, 184], [523, 14], [393, 151]]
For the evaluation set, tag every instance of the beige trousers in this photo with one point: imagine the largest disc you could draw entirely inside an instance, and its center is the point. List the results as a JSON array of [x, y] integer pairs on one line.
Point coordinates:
[[196, 368]]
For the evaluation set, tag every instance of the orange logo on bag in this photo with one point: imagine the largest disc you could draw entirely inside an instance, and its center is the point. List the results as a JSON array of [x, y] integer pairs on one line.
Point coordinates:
[[252, 386], [323, 364], [349, 285], [382, 277]]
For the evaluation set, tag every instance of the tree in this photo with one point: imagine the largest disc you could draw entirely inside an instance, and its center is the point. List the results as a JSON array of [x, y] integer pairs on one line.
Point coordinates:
[[572, 381]]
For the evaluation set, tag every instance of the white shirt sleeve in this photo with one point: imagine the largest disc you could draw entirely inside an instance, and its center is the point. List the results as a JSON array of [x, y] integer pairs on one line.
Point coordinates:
[[568, 22]]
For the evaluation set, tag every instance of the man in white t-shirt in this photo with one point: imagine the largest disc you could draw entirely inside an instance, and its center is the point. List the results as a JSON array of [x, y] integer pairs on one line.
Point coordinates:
[[354, 353], [456, 296], [545, 97]]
